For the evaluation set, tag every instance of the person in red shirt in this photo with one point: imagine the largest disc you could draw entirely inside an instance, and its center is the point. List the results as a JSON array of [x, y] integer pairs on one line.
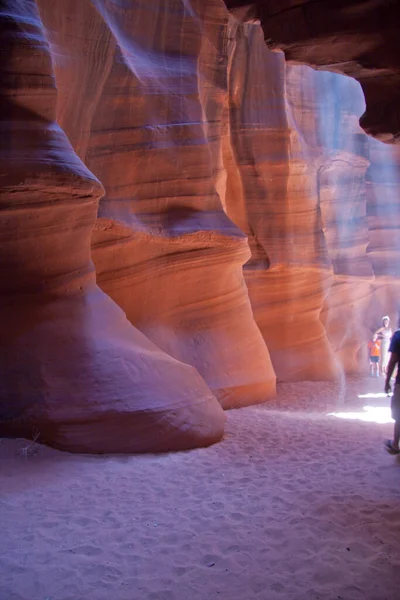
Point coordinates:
[[374, 347]]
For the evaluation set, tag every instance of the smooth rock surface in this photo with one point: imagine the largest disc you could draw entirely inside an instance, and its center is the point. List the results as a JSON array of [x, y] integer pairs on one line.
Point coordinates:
[[74, 373], [231, 205], [163, 247], [277, 205], [354, 37], [315, 196]]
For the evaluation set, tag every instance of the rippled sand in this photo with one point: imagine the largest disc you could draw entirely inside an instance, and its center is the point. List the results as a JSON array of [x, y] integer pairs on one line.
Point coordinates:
[[294, 504]]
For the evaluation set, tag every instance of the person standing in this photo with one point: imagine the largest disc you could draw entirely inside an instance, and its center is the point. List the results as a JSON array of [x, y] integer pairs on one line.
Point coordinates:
[[384, 333], [392, 446], [374, 355]]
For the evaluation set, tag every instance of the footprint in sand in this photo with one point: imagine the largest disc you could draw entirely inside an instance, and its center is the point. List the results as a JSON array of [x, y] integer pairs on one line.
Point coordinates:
[[88, 551]]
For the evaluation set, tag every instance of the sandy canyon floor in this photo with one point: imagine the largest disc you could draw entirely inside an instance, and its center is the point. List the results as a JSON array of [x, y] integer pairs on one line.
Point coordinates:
[[294, 504]]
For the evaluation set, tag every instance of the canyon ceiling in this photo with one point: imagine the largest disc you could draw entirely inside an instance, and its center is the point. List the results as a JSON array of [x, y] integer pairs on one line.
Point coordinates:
[[185, 217]]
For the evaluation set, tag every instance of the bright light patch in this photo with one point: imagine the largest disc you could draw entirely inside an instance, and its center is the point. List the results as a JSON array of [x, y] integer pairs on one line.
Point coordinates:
[[376, 395], [373, 414]]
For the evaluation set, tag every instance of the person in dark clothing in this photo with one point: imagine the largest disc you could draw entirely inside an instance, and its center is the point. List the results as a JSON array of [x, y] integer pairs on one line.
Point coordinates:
[[392, 446]]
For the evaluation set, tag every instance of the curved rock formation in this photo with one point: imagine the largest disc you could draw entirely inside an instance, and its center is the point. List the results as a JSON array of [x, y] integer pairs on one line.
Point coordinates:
[[147, 122], [357, 38], [277, 206], [301, 176], [383, 192], [213, 154], [353, 169], [342, 199], [74, 373]]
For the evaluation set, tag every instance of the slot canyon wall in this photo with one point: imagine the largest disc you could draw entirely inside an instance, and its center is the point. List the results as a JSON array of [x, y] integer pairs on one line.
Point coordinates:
[[244, 223], [319, 207], [358, 38], [357, 178]]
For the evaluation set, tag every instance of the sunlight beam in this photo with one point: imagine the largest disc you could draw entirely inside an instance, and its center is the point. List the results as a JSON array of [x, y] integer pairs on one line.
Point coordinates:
[[371, 414]]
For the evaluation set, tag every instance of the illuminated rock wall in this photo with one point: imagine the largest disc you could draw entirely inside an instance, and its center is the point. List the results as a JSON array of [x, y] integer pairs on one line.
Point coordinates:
[[74, 373], [164, 249], [309, 181], [165, 143], [359, 38]]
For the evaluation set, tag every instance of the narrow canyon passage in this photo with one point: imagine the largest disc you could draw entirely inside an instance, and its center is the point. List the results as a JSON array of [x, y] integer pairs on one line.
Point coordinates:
[[194, 220], [187, 219]]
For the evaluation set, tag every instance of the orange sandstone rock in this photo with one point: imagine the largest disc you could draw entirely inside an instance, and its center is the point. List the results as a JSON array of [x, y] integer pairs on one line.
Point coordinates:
[[74, 373], [148, 122]]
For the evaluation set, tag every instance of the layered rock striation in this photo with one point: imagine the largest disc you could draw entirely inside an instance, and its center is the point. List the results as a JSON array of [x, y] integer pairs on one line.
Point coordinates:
[[358, 38], [74, 372], [289, 272], [184, 216], [305, 176], [163, 247]]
